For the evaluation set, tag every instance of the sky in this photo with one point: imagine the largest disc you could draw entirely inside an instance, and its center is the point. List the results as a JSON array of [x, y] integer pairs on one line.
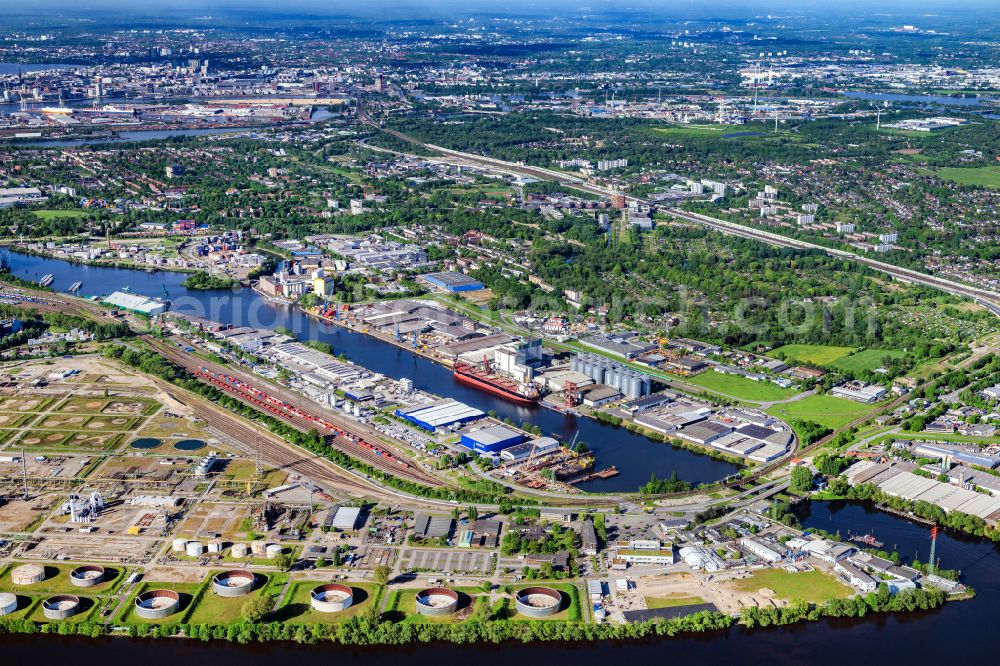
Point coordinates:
[[415, 8]]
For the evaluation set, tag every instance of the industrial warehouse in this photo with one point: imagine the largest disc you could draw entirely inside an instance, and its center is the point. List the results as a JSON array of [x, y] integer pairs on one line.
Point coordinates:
[[455, 282], [442, 414], [149, 307]]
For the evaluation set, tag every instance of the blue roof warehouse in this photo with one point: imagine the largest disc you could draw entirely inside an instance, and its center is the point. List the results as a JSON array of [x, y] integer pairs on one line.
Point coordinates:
[[440, 414], [492, 439], [450, 281]]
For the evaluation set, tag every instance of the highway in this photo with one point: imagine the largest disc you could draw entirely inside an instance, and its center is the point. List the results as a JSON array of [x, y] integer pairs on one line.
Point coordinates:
[[984, 297]]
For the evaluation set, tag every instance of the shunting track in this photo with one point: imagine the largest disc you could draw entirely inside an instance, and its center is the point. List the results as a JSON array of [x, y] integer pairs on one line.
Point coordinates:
[[296, 413]]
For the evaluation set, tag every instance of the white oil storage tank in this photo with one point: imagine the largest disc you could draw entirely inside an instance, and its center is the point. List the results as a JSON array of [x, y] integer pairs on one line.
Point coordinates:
[[273, 551], [8, 603], [195, 549], [179, 545], [240, 550]]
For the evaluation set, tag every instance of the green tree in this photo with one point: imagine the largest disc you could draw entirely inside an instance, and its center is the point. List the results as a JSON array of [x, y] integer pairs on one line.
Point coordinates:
[[802, 479], [381, 574], [257, 607]]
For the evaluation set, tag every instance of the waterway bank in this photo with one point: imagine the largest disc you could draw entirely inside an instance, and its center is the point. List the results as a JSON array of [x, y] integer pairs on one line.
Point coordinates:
[[898, 637], [635, 456], [102, 264]]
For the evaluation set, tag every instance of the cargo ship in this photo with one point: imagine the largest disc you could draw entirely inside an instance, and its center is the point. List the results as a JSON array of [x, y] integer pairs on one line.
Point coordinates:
[[495, 384]]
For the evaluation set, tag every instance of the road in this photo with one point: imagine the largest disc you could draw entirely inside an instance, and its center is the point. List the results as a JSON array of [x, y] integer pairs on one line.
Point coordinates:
[[984, 297]]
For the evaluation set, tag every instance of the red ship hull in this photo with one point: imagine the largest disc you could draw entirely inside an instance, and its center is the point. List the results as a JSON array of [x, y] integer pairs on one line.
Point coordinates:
[[489, 387]]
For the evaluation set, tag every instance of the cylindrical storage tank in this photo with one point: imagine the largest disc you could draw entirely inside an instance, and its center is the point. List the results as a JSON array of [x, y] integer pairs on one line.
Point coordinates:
[[437, 602], [647, 385], [258, 548], [635, 387], [600, 372], [27, 574], [194, 549], [157, 604], [538, 602], [574, 364], [272, 551], [233, 583], [8, 603], [616, 379], [331, 598], [88, 575], [215, 546], [240, 550], [179, 545], [61, 606]]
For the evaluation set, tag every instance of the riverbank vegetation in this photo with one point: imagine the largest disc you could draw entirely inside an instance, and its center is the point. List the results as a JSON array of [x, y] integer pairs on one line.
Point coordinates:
[[202, 280]]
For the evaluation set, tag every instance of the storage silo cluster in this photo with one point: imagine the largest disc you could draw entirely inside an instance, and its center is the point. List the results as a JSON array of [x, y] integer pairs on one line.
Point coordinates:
[[629, 383]]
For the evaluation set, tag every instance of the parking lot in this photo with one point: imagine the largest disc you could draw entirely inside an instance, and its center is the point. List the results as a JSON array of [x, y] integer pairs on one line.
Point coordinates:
[[448, 561]]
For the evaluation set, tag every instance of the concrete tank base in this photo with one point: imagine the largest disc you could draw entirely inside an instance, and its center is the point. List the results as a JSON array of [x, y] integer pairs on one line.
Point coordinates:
[[157, 604], [234, 583], [61, 607], [331, 598], [436, 602], [88, 575], [538, 602]]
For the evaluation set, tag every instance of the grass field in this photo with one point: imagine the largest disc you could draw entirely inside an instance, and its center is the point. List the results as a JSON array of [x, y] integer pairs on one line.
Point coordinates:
[[823, 409], [869, 359], [403, 605], [814, 354], [710, 130], [297, 608], [984, 176], [185, 590], [49, 214], [810, 586], [57, 581], [740, 387], [571, 610], [672, 602]]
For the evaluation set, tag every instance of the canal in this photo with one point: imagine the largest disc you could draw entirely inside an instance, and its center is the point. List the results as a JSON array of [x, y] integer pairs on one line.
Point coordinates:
[[960, 631], [636, 456]]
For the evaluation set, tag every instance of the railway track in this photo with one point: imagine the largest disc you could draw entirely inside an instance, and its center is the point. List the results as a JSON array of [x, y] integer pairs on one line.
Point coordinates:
[[300, 416], [281, 454]]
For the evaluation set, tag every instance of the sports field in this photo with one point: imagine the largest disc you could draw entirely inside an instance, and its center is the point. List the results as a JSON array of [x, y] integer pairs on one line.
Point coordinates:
[[823, 409], [869, 359], [54, 214], [810, 586], [984, 176], [814, 354], [740, 388]]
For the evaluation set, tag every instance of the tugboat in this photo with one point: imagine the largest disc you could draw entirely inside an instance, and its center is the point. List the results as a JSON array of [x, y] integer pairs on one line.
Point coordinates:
[[868, 540]]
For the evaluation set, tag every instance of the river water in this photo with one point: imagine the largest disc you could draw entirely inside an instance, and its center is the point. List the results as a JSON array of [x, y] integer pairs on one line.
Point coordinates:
[[960, 631], [634, 455]]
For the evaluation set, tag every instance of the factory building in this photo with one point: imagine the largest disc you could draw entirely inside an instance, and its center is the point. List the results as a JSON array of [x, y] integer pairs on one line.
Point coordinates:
[[346, 518], [538, 447], [859, 392], [440, 414], [492, 439], [760, 550], [432, 527], [620, 344], [150, 307], [451, 281]]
